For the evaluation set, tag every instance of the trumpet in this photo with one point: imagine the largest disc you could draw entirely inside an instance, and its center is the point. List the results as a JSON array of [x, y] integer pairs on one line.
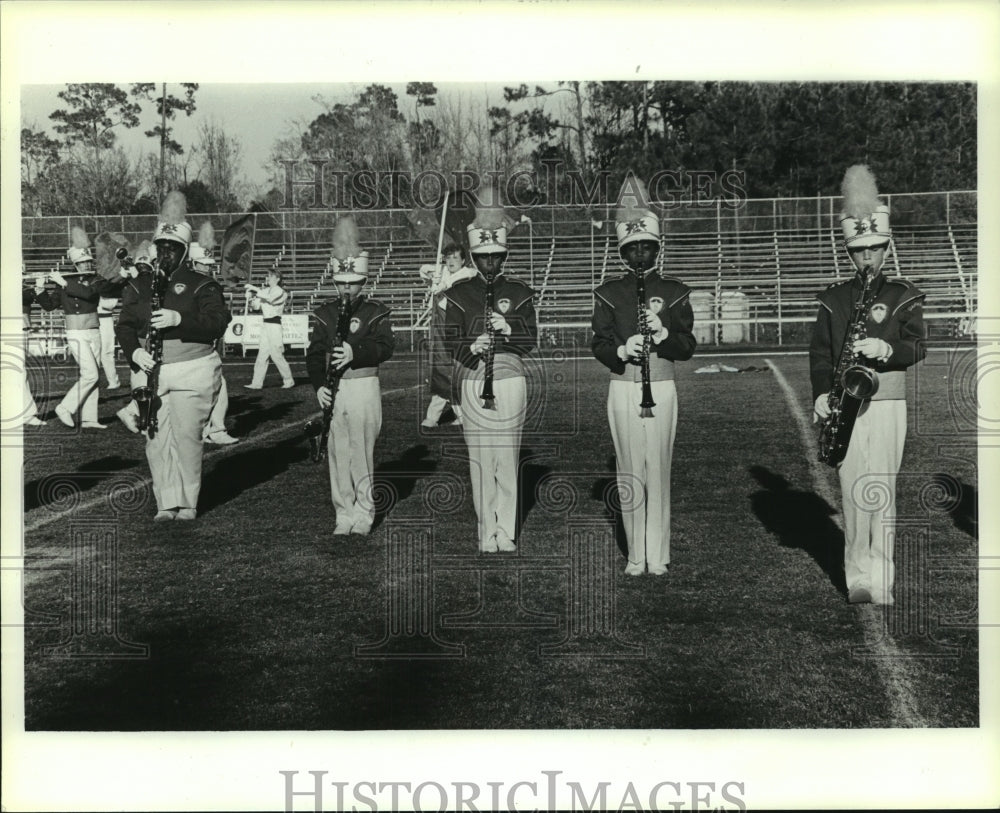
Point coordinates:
[[123, 258]]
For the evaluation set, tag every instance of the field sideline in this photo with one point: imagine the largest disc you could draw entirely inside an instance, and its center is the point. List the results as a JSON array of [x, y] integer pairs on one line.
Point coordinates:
[[253, 618]]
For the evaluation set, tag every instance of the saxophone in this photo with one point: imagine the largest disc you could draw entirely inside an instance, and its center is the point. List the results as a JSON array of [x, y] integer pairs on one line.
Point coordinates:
[[647, 403], [853, 382], [489, 399], [146, 397], [318, 429]]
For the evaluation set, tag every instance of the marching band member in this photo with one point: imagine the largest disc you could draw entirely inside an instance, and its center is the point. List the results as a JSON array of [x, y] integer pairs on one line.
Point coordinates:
[[78, 299], [270, 301], [188, 372], [203, 262], [891, 340], [29, 409], [490, 326], [641, 360], [441, 279], [143, 264], [351, 336], [106, 305]]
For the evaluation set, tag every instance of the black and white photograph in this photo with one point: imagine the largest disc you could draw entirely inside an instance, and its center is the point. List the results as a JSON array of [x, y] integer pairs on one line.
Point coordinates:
[[499, 406]]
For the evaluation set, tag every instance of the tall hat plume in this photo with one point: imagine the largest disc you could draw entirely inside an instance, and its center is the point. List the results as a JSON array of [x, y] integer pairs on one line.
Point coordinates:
[[201, 251], [145, 254], [79, 250], [634, 219], [488, 229], [350, 263], [865, 220], [106, 248], [173, 224]]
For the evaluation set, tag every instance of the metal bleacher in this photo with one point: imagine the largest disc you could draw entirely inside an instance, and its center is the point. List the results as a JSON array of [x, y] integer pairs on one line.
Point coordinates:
[[774, 254]]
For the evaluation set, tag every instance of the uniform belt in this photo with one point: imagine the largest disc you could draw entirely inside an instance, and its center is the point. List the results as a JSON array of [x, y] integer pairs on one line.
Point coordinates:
[[272, 320], [104, 315], [891, 386], [361, 372]]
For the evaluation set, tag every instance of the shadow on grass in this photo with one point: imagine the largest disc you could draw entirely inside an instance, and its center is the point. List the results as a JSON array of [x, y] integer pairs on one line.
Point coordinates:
[[606, 490], [965, 513], [48, 489], [394, 480], [178, 687], [247, 413], [800, 519], [242, 471], [530, 475]]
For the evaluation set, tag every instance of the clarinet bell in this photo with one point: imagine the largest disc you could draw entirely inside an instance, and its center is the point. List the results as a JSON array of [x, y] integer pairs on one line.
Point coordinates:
[[490, 403], [645, 412], [314, 434]]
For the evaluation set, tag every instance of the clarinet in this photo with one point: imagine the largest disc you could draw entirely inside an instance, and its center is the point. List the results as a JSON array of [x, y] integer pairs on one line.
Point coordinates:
[[647, 403], [318, 431], [489, 399], [853, 383], [146, 397]]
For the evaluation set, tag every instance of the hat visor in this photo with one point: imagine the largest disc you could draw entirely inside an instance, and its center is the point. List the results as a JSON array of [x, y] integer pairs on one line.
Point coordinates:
[[349, 278], [642, 235], [868, 240], [489, 248]]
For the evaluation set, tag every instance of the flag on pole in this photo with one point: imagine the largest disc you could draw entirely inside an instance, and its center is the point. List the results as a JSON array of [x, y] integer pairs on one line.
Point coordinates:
[[105, 262], [237, 249]]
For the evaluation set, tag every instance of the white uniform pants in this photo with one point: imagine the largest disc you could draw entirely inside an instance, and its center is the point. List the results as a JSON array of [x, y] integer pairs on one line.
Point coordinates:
[[187, 390], [271, 347], [494, 441], [868, 488], [354, 427], [217, 418], [644, 449], [85, 347], [107, 331], [9, 418]]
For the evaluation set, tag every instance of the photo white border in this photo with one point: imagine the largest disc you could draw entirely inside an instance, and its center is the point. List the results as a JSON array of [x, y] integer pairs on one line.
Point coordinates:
[[52, 43]]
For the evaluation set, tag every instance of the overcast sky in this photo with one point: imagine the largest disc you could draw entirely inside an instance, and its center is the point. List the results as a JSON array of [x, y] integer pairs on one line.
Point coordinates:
[[257, 114]]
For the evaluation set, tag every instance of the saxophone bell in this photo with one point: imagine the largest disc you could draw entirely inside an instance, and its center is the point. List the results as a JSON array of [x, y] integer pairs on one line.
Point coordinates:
[[860, 382]]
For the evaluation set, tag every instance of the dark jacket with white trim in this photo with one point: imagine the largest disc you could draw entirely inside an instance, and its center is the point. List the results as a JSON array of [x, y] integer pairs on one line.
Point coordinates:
[[896, 317], [369, 333], [616, 318]]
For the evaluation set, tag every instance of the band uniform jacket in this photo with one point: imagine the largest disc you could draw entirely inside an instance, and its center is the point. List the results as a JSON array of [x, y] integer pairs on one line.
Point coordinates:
[[616, 318], [896, 317], [465, 318], [197, 298], [369, 335]]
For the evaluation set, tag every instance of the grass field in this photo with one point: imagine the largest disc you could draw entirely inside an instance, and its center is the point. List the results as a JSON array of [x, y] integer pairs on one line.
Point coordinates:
[[255, 617]]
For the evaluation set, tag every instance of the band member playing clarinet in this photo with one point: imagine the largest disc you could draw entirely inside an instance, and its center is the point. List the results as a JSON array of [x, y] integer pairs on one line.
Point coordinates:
[[490, 325], [351, 336], [182, 361], [869, 329], [642, 324]]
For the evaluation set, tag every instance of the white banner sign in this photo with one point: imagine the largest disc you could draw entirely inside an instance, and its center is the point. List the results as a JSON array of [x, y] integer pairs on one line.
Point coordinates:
[[245, 330]]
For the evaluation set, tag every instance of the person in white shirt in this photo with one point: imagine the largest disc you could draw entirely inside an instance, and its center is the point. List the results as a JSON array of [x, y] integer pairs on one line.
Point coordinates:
[[105, 317], [441, 279], [271, 302]]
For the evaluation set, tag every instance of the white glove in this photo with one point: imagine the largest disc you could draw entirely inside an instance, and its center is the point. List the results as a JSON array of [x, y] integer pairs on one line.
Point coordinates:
[[873, 348], [633, 347], [654, 322], [143, 360], [479, 346], [500, 324], [165, 318], [39, 283], [821, 409], [343, 355], [58, 279], [323, 395]]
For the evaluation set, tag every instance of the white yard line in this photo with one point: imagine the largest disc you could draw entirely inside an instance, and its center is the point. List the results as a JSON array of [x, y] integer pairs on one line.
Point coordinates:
[[888, 659], [253, 441]]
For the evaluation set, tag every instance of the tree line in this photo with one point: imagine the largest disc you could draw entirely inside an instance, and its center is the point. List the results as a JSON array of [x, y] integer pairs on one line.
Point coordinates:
[[788, 139]]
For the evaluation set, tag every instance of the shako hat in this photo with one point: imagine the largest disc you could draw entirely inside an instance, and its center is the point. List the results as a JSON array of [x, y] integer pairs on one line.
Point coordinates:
[[634, 219], [350, 263], [865, 219]]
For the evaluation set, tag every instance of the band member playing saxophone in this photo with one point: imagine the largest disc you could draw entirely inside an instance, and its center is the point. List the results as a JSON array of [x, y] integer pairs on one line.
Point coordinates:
[[639, 340], [490, 325], [868, 329], [188, 371], [351, 336]]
